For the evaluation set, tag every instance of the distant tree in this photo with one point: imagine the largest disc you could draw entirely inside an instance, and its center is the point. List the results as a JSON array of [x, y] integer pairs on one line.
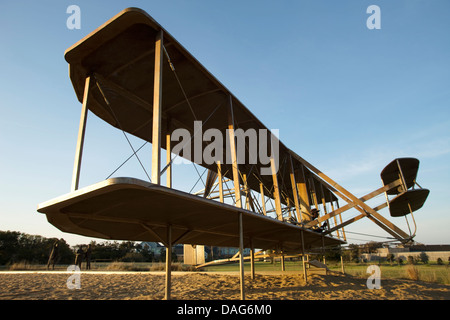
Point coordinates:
[[17, 247], [9, 243], [372, 246], [162, 254], [146, 253], [354, 252], [440, 262], [411, 260], [424, 257], [174, 256], [65, 254], [333, 254], [126, 247], [399, 261], [111, 250]]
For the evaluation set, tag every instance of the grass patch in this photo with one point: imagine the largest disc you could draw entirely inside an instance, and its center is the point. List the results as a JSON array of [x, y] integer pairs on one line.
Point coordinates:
[[422, 272], [19, 266], [259, 266], [412, 272], [144, 266]]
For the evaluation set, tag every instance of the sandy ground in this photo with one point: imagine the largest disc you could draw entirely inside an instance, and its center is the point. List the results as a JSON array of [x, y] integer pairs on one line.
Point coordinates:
[[210, 286]]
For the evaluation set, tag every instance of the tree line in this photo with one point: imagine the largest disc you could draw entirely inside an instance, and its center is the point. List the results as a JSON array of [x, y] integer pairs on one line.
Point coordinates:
[[18, 247]]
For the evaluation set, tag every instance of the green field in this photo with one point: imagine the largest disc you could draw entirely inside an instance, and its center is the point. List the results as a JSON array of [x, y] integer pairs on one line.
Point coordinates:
[[423, 272]]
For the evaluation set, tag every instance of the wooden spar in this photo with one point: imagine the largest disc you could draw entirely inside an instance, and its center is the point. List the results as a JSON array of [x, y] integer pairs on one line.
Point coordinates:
[[303, 195], [276, 191], [324, 204], [246, 191], [294, 191], [314, 193], [125, 93], [157, 110], [237, 193], [149, 229], [343, 224], [360, 205], [340, 221], [169, 160], [352, 204], [314, 197], [263, 201], [234, 164], [288, 206], [81, 134], [388, 228], [220, 181], [168, 262], [334, 218]]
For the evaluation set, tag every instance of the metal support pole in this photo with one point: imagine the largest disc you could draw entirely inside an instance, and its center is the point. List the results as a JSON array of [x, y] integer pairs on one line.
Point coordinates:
[[252, 259], [276, 191], [220, 181], [340, 218], [303, 258], [334, 218], [157, 109], [80, 140], [314, 193], [168, 262], [294, 192], [169, 160], [241, 256], [303, 194], [263, 201]]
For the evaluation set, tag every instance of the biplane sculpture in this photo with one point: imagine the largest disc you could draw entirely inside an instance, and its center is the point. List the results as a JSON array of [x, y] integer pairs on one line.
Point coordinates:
[[134, 75]]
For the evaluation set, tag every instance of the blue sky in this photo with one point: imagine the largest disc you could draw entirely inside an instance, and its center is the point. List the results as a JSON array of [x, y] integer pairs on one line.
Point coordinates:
[[345, 98]]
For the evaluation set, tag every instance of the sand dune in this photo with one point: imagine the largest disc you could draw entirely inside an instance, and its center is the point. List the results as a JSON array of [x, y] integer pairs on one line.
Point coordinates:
[[210, 286]]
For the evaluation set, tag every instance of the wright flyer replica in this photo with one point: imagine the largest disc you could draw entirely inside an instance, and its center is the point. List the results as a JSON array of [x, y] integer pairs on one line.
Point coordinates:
[[135, 76]]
